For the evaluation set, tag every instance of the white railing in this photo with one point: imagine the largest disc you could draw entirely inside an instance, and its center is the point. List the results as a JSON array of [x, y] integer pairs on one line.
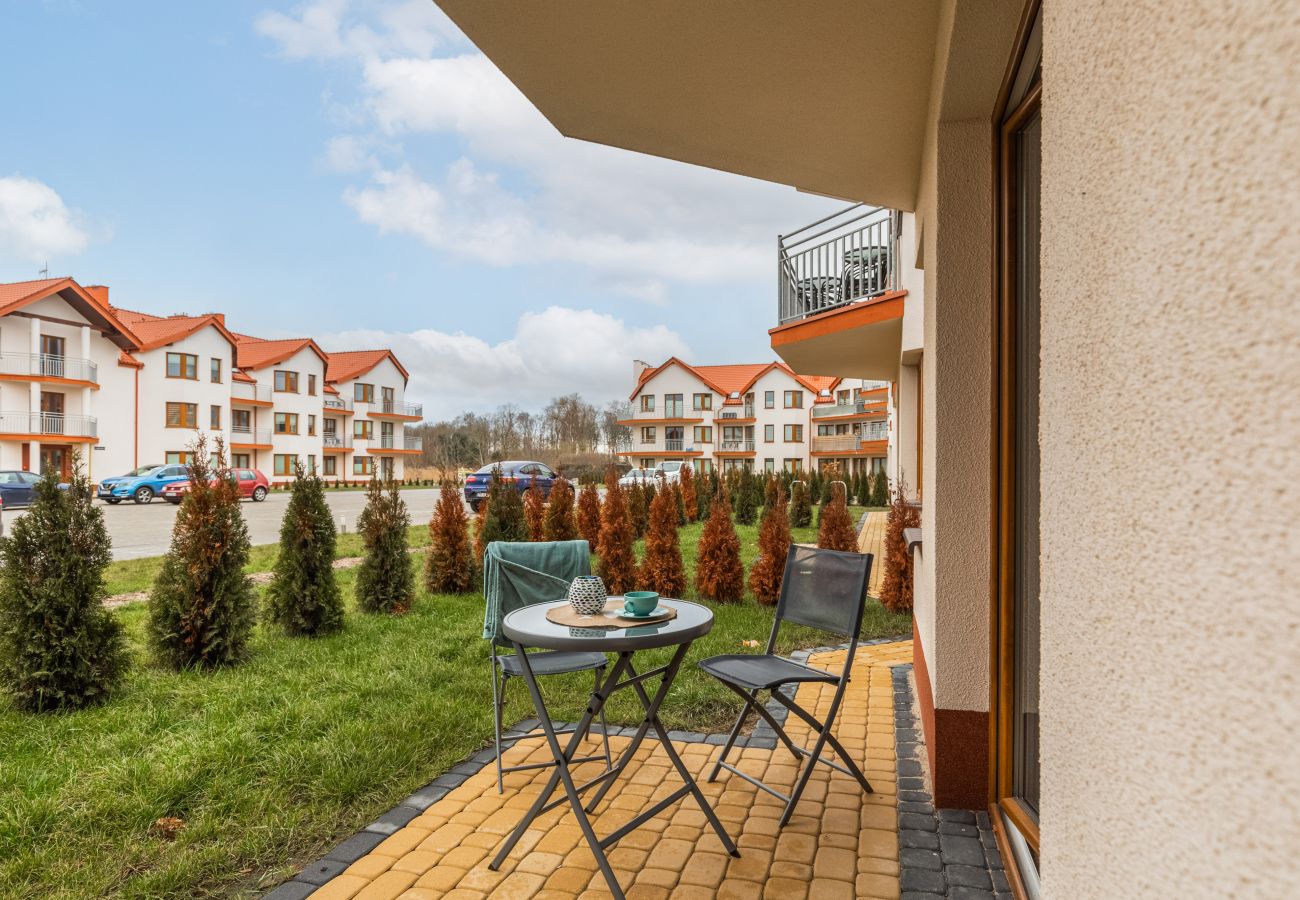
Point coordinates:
[[849, 259], [242, 390], [337, 440], [737, 446], [859, 407], [407, 442], [674, 446], [399, 408], [338, 404], [40, 423], [49, 365], [246, 434]]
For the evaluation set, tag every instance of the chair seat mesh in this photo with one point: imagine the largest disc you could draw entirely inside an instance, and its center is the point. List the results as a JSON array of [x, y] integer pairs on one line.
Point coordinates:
[[554, 662], [761, 672]]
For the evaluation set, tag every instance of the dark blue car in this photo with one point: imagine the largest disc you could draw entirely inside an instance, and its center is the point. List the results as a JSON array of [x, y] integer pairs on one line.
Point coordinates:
[[17, 488], [518, 473]]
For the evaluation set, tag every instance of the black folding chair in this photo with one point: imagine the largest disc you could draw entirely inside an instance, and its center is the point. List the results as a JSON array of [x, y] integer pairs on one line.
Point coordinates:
[[825, 589]]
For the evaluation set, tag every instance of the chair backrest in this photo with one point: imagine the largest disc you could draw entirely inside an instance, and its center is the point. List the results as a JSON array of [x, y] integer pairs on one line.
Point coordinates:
[[516, 575], [825, 589]]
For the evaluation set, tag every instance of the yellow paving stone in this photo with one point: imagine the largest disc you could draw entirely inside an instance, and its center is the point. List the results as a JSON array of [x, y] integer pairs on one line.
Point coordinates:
[[707, 869], [798, 871], [665, 878], [878, 842], [370, 866], [835, 863], [570, 879], [464, 857], [481, 878], [539, 863], [877, 886], [693, 892], [829, 889], [739, 890], [419, 893], [446, 838], [646, 892], [417, 861], [342, 887], [387, 886], [752, 865], [874, 866], [549, 894], [460, 894], [785, 889], [670, 854], [441, 878]]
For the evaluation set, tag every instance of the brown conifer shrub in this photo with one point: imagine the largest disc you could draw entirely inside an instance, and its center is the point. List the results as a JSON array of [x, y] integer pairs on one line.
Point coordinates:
[[589, 515], [773, 547], [719, 575], [896, 588], [836, 531], [637, 509], [560, 525], [449, 565], [480, 525], [617, 558], [662, 568], [689, 505], [535, 511], [679, 503]]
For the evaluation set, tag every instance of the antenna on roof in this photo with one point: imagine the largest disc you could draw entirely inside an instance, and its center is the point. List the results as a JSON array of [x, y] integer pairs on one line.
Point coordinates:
[[45, 273]]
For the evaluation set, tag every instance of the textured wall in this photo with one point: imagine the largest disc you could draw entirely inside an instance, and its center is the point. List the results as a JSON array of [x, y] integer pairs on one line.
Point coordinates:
[[1170, 368]]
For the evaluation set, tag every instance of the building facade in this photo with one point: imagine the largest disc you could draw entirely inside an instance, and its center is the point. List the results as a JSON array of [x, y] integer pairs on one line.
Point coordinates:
[[123, 389]]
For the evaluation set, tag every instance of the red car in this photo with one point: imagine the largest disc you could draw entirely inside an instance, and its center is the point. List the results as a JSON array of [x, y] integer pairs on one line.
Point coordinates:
[[251, 484]]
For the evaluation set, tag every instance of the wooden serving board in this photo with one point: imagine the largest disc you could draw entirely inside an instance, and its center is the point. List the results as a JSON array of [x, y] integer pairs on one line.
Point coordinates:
[[611, 617]]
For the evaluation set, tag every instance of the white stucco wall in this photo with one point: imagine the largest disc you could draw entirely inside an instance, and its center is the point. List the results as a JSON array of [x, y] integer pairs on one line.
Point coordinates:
[[1169, 432], [157, 390], [383, 375], [305, 362]]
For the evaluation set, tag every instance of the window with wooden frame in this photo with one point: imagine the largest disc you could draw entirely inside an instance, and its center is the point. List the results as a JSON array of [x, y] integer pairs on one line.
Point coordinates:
[[769, 433], [311, 426], [793, 399], [647, 403], [311, 384], [311, 463], [331, 465], [214, 370], [793, 434], [703, 434], [389, 397], [286, 382], [769, 465], [363, 465], [182, 415], [285, 463], [214, 417], [794, 465], [769, 399], [241, 419], [648, 434], [183, 365], [177, 457], [1016, 604], [363, 429], [240, 461], [363, 393], [286, 423], [674, 406], [842, 397], [702, 401]]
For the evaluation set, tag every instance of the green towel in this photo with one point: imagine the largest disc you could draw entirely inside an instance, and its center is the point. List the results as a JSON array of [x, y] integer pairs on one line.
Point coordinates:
[[516, 575]]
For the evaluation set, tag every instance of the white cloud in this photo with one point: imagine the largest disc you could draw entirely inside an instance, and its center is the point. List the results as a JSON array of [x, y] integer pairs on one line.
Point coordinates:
[[35, 224], [520, 193], [553, 352]]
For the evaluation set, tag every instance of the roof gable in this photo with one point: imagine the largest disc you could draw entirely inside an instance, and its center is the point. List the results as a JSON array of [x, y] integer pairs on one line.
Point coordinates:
[[15, 295], [349, 364]]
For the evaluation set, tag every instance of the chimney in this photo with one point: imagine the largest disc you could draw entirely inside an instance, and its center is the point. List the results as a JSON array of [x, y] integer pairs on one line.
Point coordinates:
[[638, 369], [220, 317], [99, 292]]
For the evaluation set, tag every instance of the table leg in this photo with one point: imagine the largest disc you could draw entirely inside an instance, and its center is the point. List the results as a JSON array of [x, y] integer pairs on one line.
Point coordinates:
[[562, 758]]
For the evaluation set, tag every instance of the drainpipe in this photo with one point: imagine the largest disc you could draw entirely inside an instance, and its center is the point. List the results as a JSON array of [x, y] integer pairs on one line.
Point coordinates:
[[135, 424]]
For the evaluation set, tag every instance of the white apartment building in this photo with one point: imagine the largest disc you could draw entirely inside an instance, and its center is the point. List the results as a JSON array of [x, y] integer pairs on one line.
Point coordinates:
[[757, 416], [128, 388]]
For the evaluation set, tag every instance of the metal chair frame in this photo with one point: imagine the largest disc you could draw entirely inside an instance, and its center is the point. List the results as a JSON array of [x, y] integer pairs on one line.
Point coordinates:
[[807, 759]]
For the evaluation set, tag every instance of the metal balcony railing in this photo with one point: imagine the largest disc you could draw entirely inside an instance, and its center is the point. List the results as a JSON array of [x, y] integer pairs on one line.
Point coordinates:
[[42, 423], [49, 365], [412, 442], [737, 446], [337, 404], [246, 434], [399, 408], [859, 407], [242, 390], [337, 440], [673, 446], [403, 442], [841, 259], [736, 414]]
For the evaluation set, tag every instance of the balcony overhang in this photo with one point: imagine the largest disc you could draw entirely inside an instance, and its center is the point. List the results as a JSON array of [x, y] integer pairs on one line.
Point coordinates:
[[632, 423], [861, 340], [864, 448], [396, 417], [729, 86]]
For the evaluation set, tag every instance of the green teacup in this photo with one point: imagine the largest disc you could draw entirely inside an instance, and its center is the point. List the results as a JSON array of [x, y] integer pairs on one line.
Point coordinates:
[[640, 603]]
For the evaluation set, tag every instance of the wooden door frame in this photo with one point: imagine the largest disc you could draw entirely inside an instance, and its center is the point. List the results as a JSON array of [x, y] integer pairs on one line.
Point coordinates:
[[1006, 123]]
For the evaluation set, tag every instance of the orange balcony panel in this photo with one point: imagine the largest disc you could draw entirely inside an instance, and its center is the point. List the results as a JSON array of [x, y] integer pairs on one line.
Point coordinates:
[[861, 340]]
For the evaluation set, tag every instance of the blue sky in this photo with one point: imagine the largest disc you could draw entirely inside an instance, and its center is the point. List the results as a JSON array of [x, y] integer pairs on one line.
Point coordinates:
[[355, 170]]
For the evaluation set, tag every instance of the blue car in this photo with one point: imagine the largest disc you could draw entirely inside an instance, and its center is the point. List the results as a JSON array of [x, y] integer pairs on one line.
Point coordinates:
[[17, 487], [141, 485], [518, 473]]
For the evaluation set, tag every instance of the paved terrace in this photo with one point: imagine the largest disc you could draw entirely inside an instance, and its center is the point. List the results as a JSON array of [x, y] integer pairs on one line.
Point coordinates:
[[839, 844]]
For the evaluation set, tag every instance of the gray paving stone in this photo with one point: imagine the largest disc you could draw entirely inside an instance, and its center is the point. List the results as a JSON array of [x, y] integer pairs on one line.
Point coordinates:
[[291, 890], [912, 806], [449, 781], [356, 846], [968, 876], [910, 857], [957, 828], [918, 822], [321, 871], [965, 816], [914, 796], [425, 797], [1000, 882], [392, 820], [925, 840], [962, 851], [909, 767], [919, 895], [910, 879], [969, 893], [912, 783]]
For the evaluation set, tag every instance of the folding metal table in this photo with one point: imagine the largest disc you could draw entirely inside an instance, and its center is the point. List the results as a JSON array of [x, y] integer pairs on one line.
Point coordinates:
[[529, 627]]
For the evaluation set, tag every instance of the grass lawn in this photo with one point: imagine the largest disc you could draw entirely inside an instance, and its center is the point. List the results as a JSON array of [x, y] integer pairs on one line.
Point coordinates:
[[271, 763]]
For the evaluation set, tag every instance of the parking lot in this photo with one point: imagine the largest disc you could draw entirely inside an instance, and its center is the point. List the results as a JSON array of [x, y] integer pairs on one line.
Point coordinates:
[[146, 530]]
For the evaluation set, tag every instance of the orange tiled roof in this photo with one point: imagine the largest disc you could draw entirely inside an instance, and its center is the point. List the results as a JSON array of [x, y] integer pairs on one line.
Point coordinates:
[[238, 375], [354, 363], [157, 331], [124, 358], [729, 379], [15, 295], [17, 292], [255, 353]]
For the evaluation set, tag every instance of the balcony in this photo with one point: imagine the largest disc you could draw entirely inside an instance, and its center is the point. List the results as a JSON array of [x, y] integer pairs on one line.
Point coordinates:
[[841, 259], [338, 405], [394, 443], [38, 366], [736, 447], [736, 414], [250, 394], [337, 441], [856, 408], [79, 429], [249, 437], [397, 409], [870, 441]]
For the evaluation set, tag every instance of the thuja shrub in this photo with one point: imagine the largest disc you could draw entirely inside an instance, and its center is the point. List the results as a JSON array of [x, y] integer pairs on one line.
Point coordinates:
[[746, 499], [662, 568], [60, 649], [385, 580], [503, 515], [836, 531], [880, 490], [719, 574], [690, 506], [679, 503], [588, 518], [637, 511], [560, 525], [705, 486], [449, 564], [617, 558], [304, 597], [535, 511], [773, 547], [896, 586], [201, 608], [800, 505], [480, 526]]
